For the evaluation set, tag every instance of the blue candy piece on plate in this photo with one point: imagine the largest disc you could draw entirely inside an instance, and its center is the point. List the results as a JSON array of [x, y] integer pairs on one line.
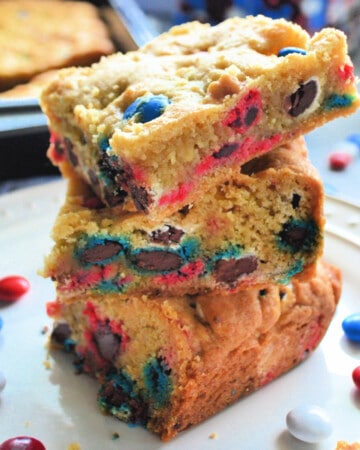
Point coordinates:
[[351, 327], [354, 138], [288, 50], [147, 108]]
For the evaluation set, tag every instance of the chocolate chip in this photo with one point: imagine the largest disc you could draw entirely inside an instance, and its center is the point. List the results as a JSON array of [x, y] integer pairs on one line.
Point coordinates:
[[60, 333], [293, 235], [113, 394], [248, 119], [167, 235], [225, 151], [251, 115], [302, 98], [140, 197], [73, 158], [122, 177], [100, 252], [263, 292], [110, 169], [59, 147], [118, 393], [295, 201], [107, 342], [217, 10], [236, 123], [229, 270], [83, 139], [177, 426], [108, 164], [157, 260], [93, 202], [94, 180], [114, 197], [184, 211]]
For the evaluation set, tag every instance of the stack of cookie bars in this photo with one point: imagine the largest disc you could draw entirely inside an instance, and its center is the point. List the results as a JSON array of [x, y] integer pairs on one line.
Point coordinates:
[[187, 256]]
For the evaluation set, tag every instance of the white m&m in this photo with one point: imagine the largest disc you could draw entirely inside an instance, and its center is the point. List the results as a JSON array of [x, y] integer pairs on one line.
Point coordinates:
[[309, 423]]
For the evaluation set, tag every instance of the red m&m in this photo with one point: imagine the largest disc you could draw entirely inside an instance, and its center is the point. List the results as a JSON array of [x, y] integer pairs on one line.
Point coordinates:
[[356, 376], [13, 287], [22, 443]]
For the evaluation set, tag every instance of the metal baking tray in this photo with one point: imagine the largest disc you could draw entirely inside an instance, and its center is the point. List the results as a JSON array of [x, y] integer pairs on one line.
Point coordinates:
[[24, 134]]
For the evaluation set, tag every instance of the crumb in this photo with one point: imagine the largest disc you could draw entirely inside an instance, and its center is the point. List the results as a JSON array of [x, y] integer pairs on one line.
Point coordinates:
[[47, 364], [74, 446], [27, 423], [115, 436], [44, 329], [213, 436]]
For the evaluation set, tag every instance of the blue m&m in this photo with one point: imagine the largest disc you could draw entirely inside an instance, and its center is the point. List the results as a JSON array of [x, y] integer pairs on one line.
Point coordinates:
[[288, 50], [351, 327], [147, 108]]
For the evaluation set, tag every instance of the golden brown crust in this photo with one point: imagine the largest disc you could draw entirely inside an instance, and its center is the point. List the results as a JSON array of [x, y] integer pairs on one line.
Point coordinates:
[[38, 36], [217, 348], [298, 325]]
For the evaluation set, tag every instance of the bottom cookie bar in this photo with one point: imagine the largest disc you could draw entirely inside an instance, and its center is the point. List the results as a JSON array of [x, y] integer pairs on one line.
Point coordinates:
[[169, 364]]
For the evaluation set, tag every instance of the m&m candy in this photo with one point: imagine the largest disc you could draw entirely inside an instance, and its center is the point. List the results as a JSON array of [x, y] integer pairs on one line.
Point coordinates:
[[356, 376], [309, 423], [13, 287], [147, 108], [22, 443], [351, 327]]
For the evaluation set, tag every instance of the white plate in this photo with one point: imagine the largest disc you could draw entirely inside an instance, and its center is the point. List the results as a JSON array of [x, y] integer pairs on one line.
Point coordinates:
[[59, 408]]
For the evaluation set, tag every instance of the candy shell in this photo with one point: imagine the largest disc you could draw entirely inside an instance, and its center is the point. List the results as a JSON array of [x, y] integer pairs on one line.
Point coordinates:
[[356, 376], [288, 50], [309, 423], [355, 139], [13, 287], [351, 327], [339, 160], [22, 443], [2, 381], [147, 108]]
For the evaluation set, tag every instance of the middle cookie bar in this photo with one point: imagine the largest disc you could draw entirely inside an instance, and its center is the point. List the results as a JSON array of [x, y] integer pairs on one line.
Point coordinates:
[[265, 224]]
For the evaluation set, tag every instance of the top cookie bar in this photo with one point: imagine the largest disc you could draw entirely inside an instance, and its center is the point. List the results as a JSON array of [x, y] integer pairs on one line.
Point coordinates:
[[153, 128]]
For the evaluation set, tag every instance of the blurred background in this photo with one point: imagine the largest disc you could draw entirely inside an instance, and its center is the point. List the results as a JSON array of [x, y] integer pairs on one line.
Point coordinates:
[[27, 34]]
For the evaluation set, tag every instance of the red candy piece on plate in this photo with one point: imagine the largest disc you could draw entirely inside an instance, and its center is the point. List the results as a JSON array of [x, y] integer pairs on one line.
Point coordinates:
[[339, 160], [13, 287], [356, 376], [22, 443]]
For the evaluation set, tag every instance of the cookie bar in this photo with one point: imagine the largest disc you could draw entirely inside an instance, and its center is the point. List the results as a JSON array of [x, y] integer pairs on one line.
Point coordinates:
[[37, 36], [154, 128], [170, 364], [30, 89], [264, 224]]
